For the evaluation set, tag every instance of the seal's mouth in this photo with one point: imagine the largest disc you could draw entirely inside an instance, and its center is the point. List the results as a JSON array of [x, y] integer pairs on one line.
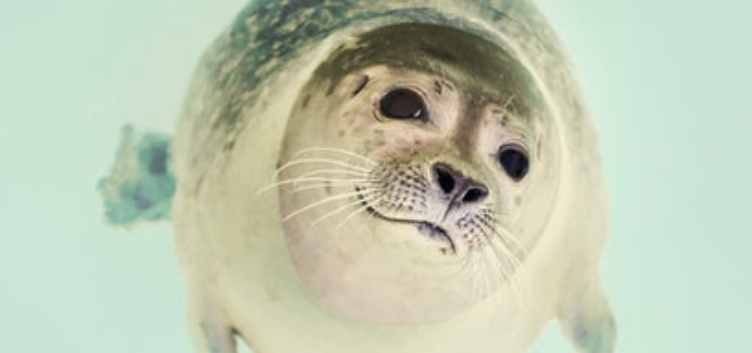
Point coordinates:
[[432, 230]]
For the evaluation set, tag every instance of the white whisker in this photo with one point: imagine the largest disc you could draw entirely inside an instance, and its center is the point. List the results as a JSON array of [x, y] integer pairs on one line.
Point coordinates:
[[333, 171], [346, 206], [320, 202], [351, 215], [332, 149], [301, 180], [507, 253], [517, 284], [370, 215], [488, 281], [500, 227], [321, 186], [498, 257], [295, 162], [478, 289], [462, 267]]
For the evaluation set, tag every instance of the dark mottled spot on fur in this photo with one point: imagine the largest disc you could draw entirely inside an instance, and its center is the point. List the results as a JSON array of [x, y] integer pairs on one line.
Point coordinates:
[[441, 54], [538, 147], [229, 146], [361, 85]]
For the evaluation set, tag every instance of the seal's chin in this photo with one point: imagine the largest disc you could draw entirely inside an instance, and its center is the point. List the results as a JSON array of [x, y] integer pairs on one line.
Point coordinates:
[[431, 230]]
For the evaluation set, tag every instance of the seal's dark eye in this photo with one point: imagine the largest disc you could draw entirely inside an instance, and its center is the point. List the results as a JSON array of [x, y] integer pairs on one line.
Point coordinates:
[[403, 104], [514, 161]]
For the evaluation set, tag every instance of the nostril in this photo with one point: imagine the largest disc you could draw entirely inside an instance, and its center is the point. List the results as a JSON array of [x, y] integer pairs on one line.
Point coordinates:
[[457, 186], [475, 194], [445, 179]]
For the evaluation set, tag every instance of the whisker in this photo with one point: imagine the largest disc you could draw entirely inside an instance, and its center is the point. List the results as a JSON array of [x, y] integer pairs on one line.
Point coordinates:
[[359, 210], [332, 149], [491, 278], [507, 253], [351, 215], [473, 276], [509, 264], [333, 171], [496, 255], [465, 263], [321, 186], [477, 271], [461, 268], [506, 274], [295, 162], [301, 180], [320, 202], [507, 236], [482, 273], [370, 215], [518, 283], [346, 206], [510, 257]]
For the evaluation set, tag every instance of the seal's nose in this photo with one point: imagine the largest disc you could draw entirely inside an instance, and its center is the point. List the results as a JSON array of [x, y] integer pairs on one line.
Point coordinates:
[[457, 187]]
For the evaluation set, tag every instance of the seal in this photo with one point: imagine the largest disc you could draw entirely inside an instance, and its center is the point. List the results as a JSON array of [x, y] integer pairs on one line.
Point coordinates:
[[397, 176]]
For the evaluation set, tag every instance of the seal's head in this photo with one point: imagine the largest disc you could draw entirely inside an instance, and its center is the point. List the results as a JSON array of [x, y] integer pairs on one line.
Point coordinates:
[[419, 167]]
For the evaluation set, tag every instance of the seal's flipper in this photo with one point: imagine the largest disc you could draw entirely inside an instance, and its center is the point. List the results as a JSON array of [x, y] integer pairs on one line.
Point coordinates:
[[587, 320], [210, 330], [212, 337], [140, 185]]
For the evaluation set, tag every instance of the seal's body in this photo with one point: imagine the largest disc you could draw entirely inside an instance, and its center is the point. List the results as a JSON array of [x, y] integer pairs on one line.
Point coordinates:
[[399, 176]]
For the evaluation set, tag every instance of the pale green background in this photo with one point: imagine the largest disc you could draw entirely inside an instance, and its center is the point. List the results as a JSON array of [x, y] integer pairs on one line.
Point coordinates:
[[667, 81]]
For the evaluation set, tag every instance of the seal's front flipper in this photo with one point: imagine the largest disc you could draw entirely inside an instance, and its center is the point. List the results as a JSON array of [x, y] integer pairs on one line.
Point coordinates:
[[586, 318], [212, 336], [210, 329], [141, 184]]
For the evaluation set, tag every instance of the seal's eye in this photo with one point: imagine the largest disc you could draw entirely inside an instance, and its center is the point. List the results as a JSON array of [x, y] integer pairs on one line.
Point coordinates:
[[403, 104], [514, 161]]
